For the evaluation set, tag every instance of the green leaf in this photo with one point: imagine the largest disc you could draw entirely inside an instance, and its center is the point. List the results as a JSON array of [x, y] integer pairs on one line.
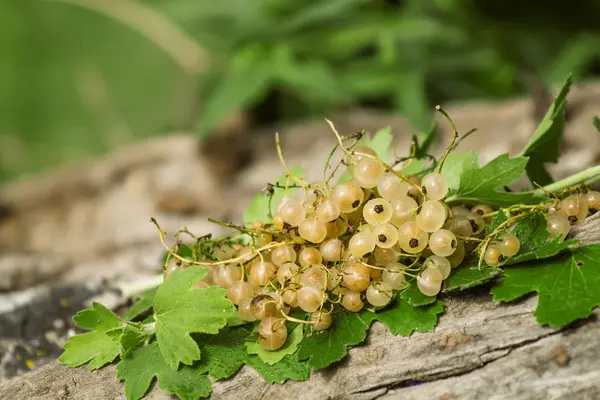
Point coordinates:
[[414, 297], [496, 222], [544, 146], [455, 164], [597, 123], [238, 88], [146, 363], [143, 303], [469, 276], [289, 347], [131, 336], [180, 310], [567, 285], [414, 167], [258, 211], [403, 319], [381, 143], [96, 347], [321, 349], [290, 367], [535, 243], [480, 185]]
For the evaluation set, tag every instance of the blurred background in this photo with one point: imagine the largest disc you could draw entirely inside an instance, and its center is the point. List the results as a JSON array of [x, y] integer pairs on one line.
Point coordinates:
[[84, 77]]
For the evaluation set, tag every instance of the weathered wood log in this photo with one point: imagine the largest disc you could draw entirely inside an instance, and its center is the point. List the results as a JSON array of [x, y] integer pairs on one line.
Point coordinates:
[[479, 350]]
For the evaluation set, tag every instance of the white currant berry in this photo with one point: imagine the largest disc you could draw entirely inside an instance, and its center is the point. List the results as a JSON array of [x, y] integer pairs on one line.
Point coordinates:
[[414, 190], [328, 211], [272, 333], [314, 277], [404, 209], [493, 255], [458, 256], [385, 256], [593, 198], [509, 244], [263, 306], [430, 281], [292, 212], [461, 225], [440, 263], [477, 222], [391, 187], [362, 243], [349, 195], [283, 254], [334, 278], [240, 291], [352, 159], [356, 277], [368, 172], [310, 298], [411, 238], [332, 250], [321, 320], [287, 272], [290, 297], [434, 186], [245, 311], [431, 216], [261, 273], [227, 275], [352, 301], [337, 228], [394, 276], [379, 293], [312, 230], [442, 243], [558, 225], [386, 235], [482, 209], [377, 211], [575, 208]]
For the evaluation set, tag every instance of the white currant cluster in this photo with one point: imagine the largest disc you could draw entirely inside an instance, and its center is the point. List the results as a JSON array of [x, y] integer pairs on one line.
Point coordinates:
[[571, 210]]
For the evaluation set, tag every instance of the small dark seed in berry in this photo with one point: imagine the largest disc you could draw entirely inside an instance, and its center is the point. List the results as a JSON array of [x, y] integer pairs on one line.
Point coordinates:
[[479, 211], [572, 218], [382, 238], [453, 244], [378, 208], [413, 243], [500, 258], [424, 190], [356, 204]]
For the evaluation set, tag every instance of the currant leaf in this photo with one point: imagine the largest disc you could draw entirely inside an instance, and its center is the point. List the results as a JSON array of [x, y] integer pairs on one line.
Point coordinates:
[[321, 349], [143, 302], [381, 143], [97, 347], [469, 276], [414, 297], [289, 367], [258, 210], [483, 185], [180, 310], [566, 285], [289, 347], [544, 146], [146, 363], [403, 319], [455, 164]]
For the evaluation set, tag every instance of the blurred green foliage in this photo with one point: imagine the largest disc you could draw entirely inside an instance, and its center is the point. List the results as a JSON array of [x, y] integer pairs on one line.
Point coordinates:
[[78, 77]]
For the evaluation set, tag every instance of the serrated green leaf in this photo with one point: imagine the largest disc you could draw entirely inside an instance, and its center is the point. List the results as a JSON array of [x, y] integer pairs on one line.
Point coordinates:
[[535, 244], [147, 363], [143, 303], [96, 347], [455, 164], [481, 185], [381, 143], [496, 222], [414, 297], [567, 285], [321, 349], [289, 347], [403, 319], [180, 311], [469, 276], [224, 354], [131, 336], [597, 123], [290, 367], [258, 211], [544, 146]]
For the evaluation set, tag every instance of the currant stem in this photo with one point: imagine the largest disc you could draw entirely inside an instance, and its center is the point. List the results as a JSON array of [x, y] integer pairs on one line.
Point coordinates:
[[454, 137], [587, 176]]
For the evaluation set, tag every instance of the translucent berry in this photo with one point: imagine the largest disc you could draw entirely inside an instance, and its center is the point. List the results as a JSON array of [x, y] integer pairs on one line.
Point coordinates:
[[430, 281], [283, 254], [356, 277], [310, 298], [278, 222], [334, 278], [332, 250], [493, 255], [385, 256], [362, 243], [379, 293], [386, 235], [349, 195], [442, 243], [461, 225], [404, 209], [245, 311], [411, 238], [482, 209], [558, 226], [394, 276], [337, 228], [431, 216], [509, 244], [353, 301], [272, 333], [312, 230], [287, 272], [353, 159], [458, 256], [227, 275], [239, 292], [328, 211], [261, 273], [377, 211], [391, 187], [593, 198], [575, 208], [434, 186], [263, 306], [290, 297], [413, 191], [440, 263], [314, 277], [309, 256], [321, 320], [368, 172], [292, 212], [477, 222]]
